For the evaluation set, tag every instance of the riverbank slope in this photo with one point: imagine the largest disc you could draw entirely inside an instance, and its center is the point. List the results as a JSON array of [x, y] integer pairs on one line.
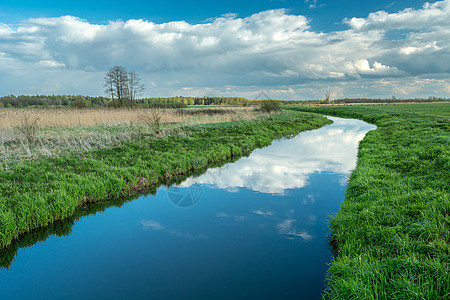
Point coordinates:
[[391, 236]]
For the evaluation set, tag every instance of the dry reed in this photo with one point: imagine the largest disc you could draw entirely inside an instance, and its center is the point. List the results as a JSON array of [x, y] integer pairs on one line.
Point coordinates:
[[63, 117], [65, 131]]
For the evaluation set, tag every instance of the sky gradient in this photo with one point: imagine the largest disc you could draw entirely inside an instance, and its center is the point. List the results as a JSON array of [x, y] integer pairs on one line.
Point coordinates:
[[289, 49]]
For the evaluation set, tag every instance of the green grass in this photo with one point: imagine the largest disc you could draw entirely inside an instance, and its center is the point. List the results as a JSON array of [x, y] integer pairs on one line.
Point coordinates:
[[36, 193], [391, 236]]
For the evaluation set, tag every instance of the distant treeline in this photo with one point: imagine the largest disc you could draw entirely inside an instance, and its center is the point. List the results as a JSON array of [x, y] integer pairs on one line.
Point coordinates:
[[52, 100], [87, 101], [376, 100], [197, 100], [81, 101]]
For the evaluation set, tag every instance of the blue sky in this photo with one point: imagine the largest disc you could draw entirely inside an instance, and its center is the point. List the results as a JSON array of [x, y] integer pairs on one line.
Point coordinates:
[[325, 15], [289, 49]]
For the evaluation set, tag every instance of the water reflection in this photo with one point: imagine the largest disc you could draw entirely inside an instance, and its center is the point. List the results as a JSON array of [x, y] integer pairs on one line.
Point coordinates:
[[287, 164], [157, 226], [256, 228]]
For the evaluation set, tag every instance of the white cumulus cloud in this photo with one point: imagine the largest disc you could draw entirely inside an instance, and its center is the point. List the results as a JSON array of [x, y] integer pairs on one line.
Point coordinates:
[[271, 50]]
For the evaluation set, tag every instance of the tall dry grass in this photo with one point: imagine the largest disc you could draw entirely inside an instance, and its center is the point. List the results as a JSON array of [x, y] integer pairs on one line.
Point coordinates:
[[65, 131], [64, 117]]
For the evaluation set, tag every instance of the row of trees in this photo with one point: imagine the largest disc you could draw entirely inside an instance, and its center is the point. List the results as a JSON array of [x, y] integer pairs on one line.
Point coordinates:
[[198, 100], [123, 86], [51, 100], [373, 100], [81, 101], [391, 100]]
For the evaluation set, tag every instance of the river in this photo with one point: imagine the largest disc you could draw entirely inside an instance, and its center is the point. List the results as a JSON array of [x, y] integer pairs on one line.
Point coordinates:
[[254, 228]]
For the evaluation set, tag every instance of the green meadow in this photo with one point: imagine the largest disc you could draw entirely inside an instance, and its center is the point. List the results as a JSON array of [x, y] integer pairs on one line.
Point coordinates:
[[390, 238], [391, 235]]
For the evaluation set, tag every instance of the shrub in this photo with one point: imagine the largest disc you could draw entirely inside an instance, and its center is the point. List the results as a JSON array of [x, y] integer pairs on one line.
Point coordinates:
[[153, 119], [269, 106], [29, 127]]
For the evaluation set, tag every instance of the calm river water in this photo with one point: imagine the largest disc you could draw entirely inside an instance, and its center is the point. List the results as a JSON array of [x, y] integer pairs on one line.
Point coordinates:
[[255, 228]]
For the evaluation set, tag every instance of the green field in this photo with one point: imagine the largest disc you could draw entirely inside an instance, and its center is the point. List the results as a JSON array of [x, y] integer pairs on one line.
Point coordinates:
[[35, 193], [391, 236]]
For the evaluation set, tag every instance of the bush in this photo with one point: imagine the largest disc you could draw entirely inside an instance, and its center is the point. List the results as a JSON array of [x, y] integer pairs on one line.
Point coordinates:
[[152, 118], [269, 106], [29, 127]]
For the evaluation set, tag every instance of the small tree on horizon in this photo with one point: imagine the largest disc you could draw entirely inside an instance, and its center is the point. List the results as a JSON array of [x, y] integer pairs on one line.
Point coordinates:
[[122, 86]]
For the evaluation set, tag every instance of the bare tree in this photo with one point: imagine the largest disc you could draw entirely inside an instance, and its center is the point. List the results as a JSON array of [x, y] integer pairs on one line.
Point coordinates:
[[135, 87], [123, 86], [116, 85]]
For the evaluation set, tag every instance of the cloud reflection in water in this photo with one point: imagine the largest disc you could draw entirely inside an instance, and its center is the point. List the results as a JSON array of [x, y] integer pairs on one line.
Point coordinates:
[[287, 228], [288, 164]]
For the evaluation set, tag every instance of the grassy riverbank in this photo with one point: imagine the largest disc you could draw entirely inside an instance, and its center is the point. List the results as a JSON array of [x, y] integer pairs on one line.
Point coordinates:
[[63, 131], [37, 192], [392, 234]]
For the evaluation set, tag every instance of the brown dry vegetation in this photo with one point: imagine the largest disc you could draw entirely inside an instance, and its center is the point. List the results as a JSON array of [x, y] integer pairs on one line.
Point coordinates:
[[64, 117], [64, 131]]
